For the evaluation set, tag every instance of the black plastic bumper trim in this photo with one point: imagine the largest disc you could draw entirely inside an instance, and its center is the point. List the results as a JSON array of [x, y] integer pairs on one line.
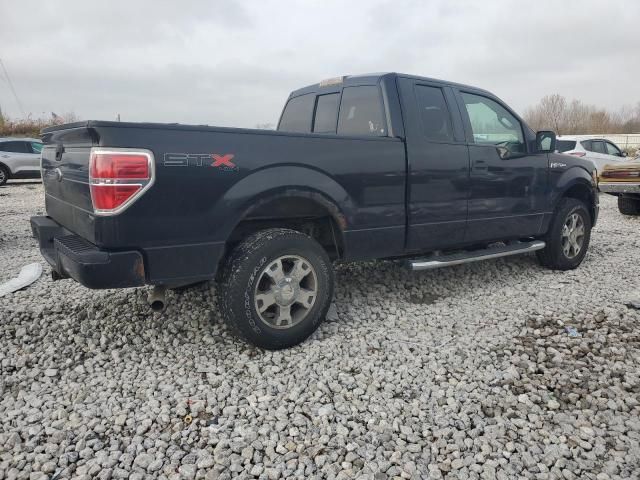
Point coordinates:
[[72, 256]]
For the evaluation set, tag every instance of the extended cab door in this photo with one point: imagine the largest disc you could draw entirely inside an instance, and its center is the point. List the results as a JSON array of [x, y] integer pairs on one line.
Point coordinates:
[[438, 165], [508, 181]]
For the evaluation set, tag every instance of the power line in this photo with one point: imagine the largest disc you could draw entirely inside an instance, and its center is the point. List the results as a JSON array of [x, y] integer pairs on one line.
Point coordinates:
[[13, 90]]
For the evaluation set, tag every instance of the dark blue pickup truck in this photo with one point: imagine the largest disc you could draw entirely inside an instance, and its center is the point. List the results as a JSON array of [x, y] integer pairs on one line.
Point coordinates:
[[361, 167]]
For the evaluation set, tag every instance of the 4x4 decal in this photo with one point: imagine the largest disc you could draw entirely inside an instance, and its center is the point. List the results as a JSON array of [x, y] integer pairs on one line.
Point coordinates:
[[216, 160]]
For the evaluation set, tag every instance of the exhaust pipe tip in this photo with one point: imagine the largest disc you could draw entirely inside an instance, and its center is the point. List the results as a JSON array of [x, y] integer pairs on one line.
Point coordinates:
[[157, 305], [55, 275], [156, 298]]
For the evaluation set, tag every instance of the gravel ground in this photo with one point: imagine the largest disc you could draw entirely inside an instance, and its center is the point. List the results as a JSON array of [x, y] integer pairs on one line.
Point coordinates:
[[466, 372]]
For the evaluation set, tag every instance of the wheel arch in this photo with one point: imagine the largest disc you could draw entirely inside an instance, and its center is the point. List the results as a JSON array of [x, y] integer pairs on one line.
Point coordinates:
[[578, 184], [299, 198], [6, 167]]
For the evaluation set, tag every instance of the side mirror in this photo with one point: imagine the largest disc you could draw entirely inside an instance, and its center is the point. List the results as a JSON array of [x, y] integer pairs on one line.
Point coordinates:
[[546, 141]]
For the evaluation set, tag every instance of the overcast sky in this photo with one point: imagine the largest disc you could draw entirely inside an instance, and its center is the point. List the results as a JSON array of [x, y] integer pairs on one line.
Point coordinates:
[[233, 63]]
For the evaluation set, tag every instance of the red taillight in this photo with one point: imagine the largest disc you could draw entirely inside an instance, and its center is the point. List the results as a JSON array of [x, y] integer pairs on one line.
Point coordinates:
[[120, 165], [117, 178], [577, 154], [620, 174]]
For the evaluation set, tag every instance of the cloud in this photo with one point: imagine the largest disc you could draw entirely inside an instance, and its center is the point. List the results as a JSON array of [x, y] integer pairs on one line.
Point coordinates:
[[233, 63]]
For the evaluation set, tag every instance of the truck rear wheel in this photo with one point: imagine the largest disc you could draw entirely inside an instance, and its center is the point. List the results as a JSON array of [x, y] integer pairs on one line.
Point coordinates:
[[568, 236], [276, 287], [629, 205]]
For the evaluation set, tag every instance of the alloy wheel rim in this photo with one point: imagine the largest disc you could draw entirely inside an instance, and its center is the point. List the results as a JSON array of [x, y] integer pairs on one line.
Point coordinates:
[[573, 235], [286, 291]]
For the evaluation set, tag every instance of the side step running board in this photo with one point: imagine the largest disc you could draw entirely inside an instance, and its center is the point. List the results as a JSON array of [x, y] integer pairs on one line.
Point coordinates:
[[437, 261]]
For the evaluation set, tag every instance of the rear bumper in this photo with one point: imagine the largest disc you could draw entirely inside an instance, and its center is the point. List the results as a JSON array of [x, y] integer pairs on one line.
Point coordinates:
[[620, 187], [72, 256]]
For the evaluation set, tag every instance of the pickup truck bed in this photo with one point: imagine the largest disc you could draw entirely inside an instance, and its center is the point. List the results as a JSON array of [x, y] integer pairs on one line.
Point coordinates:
[[364, 167], [182, 224]]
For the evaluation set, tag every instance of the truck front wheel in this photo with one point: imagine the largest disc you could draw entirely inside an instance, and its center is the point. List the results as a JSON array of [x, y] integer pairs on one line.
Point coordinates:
[[629, 205], [276, 287], [568, 236]]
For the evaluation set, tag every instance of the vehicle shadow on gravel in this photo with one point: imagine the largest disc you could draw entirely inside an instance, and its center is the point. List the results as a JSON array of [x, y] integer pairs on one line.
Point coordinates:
[[19, 183], [391, 281]]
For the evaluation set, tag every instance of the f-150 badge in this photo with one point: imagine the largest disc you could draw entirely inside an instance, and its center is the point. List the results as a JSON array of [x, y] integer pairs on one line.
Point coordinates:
[[217, 160]]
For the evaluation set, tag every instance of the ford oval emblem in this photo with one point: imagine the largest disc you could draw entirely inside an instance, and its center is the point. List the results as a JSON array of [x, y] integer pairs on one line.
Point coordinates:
[[58, 173]]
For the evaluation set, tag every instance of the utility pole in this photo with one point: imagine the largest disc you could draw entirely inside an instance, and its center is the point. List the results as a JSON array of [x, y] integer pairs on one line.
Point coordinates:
[[13, 90]]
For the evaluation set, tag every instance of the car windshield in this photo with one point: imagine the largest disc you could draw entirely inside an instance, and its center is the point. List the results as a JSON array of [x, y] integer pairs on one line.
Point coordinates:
[[36, 146], [565, 145]]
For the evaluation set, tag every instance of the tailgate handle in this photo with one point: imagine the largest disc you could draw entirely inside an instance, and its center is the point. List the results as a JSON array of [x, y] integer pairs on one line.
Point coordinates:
[[59, 151]]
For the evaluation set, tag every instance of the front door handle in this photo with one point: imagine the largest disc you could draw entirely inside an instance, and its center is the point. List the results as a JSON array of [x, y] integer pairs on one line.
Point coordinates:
[[480, 165]]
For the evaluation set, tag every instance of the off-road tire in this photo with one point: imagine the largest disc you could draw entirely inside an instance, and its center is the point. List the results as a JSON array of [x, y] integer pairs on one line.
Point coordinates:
[[4, 175], [629, 205], [553, 256], [244, 268]]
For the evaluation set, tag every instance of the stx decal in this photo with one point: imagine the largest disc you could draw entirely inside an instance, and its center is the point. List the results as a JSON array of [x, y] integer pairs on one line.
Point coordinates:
[[223, 160], [220, 161]]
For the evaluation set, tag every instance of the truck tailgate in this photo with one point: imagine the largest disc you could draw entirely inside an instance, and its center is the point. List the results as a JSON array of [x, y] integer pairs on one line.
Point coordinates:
[[65, 175]]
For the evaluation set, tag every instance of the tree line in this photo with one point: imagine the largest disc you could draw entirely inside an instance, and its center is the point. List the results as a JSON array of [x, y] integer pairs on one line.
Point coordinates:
[[30, 127], [575, 117]]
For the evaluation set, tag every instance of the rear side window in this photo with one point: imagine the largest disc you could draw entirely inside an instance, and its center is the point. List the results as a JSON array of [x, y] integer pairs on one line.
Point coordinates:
[[597, 146], [15, 147], [296, 116], [565, 145], [361, 112], [326, 113], [436, 120], [586, 144]]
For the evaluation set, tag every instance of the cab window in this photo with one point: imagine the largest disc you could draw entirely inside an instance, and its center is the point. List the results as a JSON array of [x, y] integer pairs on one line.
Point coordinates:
[[492, 124], [436, 121], [296, 116], [326, 113], [361, 112]]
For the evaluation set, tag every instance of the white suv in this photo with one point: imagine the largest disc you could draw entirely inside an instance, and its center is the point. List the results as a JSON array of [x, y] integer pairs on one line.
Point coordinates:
[[600, 151], [19, 158]]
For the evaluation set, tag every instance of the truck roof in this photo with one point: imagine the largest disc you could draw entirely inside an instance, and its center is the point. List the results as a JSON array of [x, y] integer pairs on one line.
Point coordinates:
[[336, 83]]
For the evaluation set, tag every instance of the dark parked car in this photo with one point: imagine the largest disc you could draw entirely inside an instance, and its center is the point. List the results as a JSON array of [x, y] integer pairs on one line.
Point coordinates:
[[361, 167]]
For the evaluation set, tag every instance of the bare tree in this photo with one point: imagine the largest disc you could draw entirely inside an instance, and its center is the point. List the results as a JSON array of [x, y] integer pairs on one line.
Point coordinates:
[[554, 109], [70, 117], [575, 117]]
